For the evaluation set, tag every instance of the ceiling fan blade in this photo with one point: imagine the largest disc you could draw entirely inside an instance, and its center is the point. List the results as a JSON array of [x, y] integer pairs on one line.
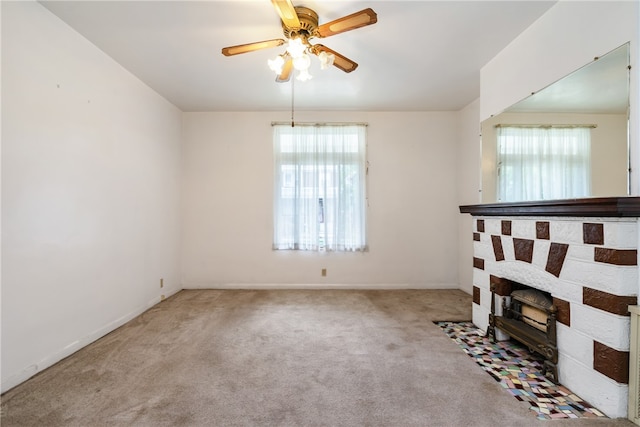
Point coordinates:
[[340, 61], [347, 23], [250, 47], [287, 13], [285, 75]]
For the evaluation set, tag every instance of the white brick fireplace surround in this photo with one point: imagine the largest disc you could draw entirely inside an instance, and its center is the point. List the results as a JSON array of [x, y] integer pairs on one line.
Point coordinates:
[[584, 253]]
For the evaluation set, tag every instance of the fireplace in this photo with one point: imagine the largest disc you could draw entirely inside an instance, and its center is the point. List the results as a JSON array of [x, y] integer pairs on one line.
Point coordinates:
[[528, 316], [583, 253]]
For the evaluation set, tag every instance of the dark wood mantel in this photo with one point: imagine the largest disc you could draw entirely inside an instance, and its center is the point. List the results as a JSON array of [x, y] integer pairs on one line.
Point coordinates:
[[597, 206]]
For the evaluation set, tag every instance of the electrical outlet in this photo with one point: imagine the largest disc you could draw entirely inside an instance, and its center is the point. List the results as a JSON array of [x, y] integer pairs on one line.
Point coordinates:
[[162, 283], [324, 272]]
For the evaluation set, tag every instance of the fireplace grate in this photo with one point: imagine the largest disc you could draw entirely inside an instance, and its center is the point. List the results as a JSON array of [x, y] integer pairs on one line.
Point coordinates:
[[528, 316]]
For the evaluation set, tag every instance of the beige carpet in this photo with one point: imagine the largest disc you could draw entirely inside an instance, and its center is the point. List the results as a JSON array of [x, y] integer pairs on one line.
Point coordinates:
[[277, 358]]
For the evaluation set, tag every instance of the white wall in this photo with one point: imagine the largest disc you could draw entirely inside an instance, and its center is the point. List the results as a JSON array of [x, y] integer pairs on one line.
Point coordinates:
[[564, 39], [227, 204], [90, 192], [468, 180]]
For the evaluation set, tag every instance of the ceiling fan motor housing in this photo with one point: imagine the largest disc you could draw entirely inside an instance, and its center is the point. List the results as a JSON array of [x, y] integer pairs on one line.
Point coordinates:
[[308, 24]]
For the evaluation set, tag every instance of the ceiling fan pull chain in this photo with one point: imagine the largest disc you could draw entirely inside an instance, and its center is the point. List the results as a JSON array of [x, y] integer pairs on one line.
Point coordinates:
[[292, 89]]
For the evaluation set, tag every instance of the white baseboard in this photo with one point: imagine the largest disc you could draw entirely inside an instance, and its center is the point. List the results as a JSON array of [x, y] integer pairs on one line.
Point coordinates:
[[318, 286]]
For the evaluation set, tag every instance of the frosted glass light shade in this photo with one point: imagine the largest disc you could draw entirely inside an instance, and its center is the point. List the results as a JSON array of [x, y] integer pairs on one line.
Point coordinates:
[[304, 75], [326, 60], [276, 64], [302, 63]]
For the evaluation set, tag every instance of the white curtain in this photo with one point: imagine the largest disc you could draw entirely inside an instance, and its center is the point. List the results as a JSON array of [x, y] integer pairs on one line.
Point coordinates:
[[536, 163], [320, 187]]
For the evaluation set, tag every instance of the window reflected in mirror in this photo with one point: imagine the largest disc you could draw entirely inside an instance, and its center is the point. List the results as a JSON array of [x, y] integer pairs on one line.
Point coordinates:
[[543, 162]]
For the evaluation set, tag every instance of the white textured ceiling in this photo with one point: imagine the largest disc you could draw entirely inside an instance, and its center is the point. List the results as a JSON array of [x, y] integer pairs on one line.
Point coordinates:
[[421, 55]]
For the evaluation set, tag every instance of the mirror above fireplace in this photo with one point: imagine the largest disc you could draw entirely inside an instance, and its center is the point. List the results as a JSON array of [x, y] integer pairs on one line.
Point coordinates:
[[595, 96]]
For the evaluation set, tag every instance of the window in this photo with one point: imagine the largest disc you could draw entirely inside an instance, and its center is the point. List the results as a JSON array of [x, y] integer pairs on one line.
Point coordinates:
[[540, 163], [320, 187]]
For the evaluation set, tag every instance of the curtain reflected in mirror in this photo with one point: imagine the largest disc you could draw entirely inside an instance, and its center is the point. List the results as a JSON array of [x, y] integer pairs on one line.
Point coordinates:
[[568, 140]]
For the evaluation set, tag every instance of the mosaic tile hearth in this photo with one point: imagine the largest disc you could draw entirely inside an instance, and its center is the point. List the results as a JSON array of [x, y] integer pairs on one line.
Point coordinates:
[[520, 373]]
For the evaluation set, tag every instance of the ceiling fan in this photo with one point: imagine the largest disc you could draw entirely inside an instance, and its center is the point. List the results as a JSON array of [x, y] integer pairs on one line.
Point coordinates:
[[299, 25]]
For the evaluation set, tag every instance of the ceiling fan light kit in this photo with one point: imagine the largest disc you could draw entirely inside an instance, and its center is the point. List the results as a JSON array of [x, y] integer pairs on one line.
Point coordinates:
[[299, 25]]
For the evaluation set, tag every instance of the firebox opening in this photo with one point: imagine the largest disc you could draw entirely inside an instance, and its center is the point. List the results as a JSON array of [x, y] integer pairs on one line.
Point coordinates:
[[528, 316]]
